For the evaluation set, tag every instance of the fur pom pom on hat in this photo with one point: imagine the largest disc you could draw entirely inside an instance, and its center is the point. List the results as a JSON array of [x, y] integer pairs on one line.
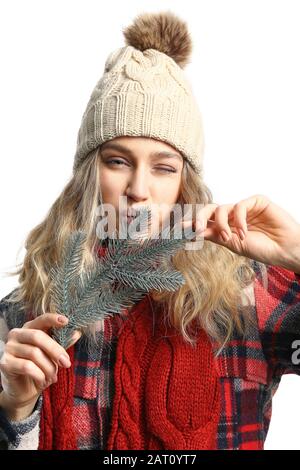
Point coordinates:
[[164, 32], [144, 91]]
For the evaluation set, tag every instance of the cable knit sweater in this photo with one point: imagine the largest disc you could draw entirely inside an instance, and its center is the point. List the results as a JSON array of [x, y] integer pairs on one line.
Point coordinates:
[[150, 390]]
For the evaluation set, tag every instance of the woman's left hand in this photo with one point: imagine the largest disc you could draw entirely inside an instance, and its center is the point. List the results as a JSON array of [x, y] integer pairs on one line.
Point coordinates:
[[271, 235]]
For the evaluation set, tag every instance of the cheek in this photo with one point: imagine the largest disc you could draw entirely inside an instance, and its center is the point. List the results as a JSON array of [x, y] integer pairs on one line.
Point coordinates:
[[167, 195], [111, 187], [168, 191]]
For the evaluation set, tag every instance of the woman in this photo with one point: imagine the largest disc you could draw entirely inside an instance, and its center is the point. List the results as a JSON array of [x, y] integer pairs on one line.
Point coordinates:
[[191, 369]]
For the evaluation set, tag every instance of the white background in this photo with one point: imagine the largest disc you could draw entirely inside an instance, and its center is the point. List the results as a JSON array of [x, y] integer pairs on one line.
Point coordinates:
[[245, 74]]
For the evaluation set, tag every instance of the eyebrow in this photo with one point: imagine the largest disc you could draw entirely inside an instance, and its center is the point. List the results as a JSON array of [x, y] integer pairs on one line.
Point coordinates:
[[121, 148]]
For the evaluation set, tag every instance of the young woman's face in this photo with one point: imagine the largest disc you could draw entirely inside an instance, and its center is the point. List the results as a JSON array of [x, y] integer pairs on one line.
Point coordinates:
[[144, 170]]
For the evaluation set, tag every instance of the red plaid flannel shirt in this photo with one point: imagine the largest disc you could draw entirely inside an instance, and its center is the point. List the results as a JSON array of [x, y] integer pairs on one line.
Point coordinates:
[[249, 369]]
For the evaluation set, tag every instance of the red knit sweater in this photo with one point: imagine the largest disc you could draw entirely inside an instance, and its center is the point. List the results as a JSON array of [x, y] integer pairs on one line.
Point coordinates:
[[152, 374], [154, 367]]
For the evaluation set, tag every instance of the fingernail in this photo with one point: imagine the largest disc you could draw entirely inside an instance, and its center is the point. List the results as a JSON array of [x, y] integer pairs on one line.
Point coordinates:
[[62, 319], [241, 233], [64, 361], [225, 236]]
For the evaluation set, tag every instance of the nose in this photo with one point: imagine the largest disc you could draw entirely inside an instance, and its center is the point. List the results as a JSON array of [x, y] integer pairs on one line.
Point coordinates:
[[138, 185]]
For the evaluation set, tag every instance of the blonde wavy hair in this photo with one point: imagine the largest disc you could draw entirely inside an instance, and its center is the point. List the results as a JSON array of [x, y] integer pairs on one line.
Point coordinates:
[[214, 275]]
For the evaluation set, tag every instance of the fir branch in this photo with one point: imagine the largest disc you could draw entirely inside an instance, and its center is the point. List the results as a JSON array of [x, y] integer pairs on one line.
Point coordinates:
[[147, 279], [127, 271], [63, 275], [108, 302]]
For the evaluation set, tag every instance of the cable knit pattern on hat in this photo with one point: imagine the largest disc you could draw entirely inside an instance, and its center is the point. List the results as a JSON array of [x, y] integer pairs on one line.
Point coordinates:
[[143, 93]]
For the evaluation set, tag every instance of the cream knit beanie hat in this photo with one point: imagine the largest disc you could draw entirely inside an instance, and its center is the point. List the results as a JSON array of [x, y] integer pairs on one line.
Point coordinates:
[[144, 92]]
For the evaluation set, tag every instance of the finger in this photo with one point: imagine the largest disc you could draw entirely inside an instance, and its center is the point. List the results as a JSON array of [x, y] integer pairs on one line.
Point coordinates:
[[221, 221], [36, 355], [11, 365], [250, 207], [214, 235], [202, 218], [205, 216], [245, 210], [240, 219], [46, 321], [43, 341]]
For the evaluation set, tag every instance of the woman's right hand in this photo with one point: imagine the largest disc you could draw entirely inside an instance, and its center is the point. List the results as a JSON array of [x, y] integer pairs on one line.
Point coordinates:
[[30, 360]]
